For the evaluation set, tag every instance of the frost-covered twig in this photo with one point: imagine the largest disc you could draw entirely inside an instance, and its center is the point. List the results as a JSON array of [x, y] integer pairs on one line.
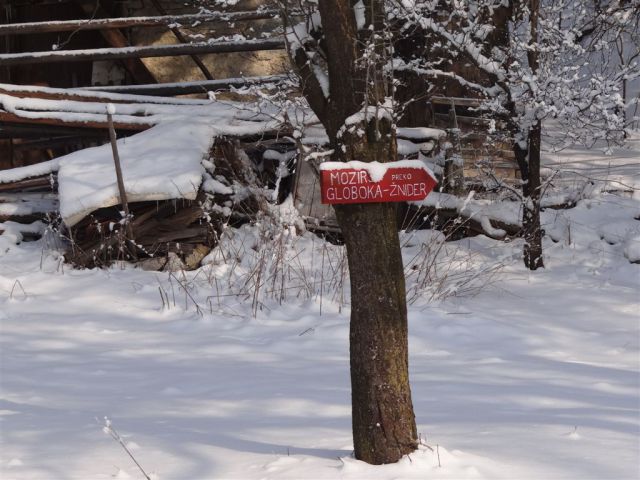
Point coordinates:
[[109, 430]]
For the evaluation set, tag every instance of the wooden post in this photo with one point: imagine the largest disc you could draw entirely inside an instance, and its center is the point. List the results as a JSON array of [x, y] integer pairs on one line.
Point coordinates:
[[120, 179]]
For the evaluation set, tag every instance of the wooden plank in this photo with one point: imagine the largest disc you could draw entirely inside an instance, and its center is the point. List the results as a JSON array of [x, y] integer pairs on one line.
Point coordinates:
[[184, 88], [115, 38], [26, 184], [307, 197], [9, 59], [10, 117], [51, 142], [444, 117], [128, 22], [36, 131], [457, 101], [181, 38], [27, 92], [90, 126], [101, 95]]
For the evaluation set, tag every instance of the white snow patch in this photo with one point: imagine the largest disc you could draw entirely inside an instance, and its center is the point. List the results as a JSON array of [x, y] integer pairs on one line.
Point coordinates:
[[28, 207], [21, 173], [359, 12], [632, 248], [211, 185], [421, 133]]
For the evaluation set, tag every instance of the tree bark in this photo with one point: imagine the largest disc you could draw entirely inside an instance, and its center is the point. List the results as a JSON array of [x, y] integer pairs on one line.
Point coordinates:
[[383, 420], [528, 158], [532, 231]]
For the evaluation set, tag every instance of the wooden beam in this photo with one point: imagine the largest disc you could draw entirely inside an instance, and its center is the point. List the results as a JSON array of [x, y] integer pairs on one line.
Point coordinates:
[[139, 52], [25, 184], [128, 22], [184, 88], [181, 38], [457, 101], [10, 117], [101, 126], [89, 94], [35, 131], [444, 117], [58, 95], [115, 38], [51, 142]]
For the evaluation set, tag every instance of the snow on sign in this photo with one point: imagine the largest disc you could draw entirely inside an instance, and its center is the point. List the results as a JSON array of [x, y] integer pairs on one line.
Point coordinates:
[[360, 182]]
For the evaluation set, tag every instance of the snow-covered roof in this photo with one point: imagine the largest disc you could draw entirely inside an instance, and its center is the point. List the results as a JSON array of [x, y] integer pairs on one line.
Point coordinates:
[[158, 164], [37, 170], [232, 118], [161, 163], [81, 94]]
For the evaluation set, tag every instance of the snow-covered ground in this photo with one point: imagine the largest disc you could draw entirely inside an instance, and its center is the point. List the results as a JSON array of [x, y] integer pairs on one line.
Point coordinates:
[[515, 374]]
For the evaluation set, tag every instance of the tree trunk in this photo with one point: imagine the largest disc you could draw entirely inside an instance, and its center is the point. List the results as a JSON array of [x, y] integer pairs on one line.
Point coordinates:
[[383, 422], [384, 427], [532, 230], [527, 155], [531, 213]]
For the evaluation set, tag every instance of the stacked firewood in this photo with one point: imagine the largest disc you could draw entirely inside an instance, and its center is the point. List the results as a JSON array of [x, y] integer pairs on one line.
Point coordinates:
[[173, 234], [155, 232], [28, 199]]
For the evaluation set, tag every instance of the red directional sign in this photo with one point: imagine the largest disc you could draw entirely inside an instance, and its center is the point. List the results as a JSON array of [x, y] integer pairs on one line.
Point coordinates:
[[358, 182]]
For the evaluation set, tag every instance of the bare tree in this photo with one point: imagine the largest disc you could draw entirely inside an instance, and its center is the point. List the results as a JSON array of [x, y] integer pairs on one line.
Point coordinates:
[[531, 60]]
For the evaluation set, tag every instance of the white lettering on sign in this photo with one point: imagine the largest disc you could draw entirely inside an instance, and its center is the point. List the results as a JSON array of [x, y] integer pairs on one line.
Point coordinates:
[[408, 189], [401, 176], [350, 192], [355, 185], [347, 178]]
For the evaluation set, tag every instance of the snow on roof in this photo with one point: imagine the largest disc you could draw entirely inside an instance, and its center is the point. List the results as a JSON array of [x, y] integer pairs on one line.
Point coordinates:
[[228, 116], [21, 173], [83, 93], [421, 133], [23, 204], [376, 170], [161, 163]]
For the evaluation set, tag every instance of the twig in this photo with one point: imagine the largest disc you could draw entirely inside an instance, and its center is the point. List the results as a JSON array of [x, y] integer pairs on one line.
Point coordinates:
[[17, 283], [108, 429], [187, 294], [310, 329]]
